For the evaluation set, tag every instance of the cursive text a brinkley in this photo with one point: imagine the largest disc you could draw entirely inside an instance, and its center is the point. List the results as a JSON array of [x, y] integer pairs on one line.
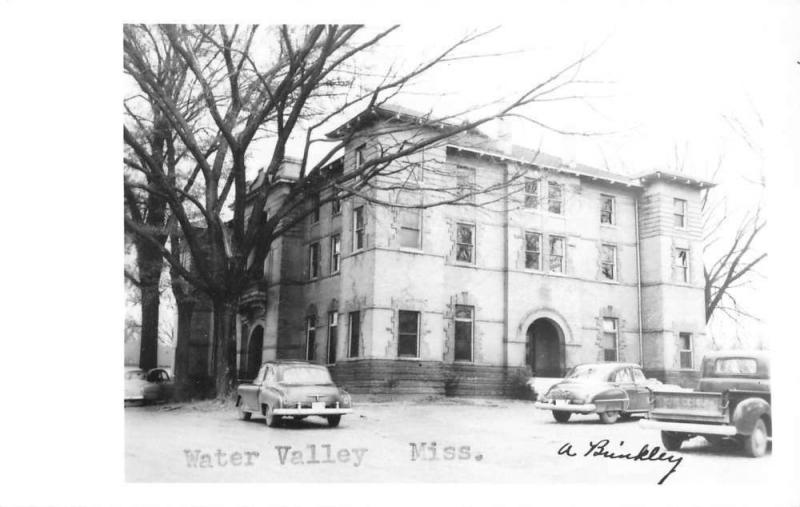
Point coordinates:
[[600, 449]]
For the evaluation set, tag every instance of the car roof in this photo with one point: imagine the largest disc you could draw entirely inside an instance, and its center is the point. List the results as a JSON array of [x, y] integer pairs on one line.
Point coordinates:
[[132, 368], [292, 362], [611, 365], [756, 354]]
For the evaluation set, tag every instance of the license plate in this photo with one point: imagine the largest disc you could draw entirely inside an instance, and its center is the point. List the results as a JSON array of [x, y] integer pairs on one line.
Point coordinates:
[[318, 405], [562, 402]]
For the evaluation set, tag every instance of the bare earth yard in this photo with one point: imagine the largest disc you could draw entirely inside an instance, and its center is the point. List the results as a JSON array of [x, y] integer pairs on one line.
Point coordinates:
[[485, 441]]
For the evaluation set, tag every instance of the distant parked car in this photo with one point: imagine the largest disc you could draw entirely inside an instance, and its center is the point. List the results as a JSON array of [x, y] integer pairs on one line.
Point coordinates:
[[153, 385], [733, 400], [610, 390], [295, 389]]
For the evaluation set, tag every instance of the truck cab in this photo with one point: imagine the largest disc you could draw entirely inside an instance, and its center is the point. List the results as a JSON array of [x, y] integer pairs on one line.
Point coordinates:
[[733, 400]]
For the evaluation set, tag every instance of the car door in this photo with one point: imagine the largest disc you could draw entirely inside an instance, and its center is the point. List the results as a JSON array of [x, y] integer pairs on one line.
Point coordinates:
[[639, 394], [249, 392], [624, 381], [267, 389]]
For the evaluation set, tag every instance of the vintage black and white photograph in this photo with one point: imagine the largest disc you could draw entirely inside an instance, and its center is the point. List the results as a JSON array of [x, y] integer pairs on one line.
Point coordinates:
[[533, 250]]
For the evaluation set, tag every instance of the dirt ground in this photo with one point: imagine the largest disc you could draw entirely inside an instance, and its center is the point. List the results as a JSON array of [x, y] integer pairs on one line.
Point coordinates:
[[485, 441]]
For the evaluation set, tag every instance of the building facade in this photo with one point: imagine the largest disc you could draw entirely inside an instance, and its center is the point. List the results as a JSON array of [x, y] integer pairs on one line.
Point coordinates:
[[538, 267]]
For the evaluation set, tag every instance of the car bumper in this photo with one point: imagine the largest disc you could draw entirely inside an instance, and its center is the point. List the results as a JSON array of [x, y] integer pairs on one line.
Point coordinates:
[[585, 408], [697, 429], [311, 411]]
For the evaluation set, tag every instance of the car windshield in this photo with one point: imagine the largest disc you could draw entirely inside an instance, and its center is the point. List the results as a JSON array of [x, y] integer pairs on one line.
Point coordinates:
[[735, 366], [134, 375], [591, 372], [305, 375]]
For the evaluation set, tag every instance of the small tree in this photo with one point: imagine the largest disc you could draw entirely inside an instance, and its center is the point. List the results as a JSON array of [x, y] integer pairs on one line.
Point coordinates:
[[250, 89]]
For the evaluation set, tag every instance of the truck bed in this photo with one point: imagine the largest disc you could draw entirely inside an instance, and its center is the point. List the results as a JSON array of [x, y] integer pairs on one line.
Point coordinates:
[[699, 407]]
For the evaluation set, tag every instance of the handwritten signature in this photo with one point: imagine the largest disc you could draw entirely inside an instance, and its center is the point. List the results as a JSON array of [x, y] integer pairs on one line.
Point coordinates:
[[601, 449]]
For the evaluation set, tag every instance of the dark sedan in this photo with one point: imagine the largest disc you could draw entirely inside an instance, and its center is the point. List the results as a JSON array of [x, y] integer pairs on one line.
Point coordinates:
[[293, 389], [609, 390]]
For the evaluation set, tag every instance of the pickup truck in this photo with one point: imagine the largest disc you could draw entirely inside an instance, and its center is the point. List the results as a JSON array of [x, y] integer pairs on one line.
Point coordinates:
[[732, 401]]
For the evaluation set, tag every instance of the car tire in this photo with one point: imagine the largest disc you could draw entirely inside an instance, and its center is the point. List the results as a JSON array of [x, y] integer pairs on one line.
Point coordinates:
[[755, 444], [270, 418], [560, 416], [244, 415], [609, 417], [672, 441], [333, 420]]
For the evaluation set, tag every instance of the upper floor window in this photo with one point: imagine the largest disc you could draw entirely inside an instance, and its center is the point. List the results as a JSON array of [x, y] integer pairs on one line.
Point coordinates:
[[608, 262], [407, 333], [609, 339], [685, 347], [410, 227], [315, 208], [533, 251], [360, 156], [680, 265], [354, 327], [557, 254], [555, 198], [679, 213], [336, 253], [465, 243], [531, 193], [465, 183], [358, 228], [313, 260], [607, 210], [336, 205]]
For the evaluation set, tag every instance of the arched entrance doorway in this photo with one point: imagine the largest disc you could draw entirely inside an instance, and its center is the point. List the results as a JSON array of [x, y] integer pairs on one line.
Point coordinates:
[[545, 348], [254, 350]]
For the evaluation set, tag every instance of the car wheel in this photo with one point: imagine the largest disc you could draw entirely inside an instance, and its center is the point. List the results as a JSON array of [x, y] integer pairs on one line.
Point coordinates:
[[755, 444], [243, 414], [671, 440], [561, 417], [609, 417], [270, 418], [333, 420]]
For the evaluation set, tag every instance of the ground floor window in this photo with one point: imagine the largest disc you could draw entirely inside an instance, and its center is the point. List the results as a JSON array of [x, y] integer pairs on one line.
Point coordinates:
[[333, 335], [464, 325], [609, 339], [407, 334], [311, 338], [686, 356], [354, 325]]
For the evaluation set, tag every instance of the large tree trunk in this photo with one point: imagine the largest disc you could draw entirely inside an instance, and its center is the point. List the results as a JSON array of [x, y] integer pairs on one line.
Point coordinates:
[[184, 388], [224, 356], [149, 264]]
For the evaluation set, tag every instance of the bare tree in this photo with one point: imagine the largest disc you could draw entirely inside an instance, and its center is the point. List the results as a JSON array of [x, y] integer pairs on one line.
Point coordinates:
[[250, 88]]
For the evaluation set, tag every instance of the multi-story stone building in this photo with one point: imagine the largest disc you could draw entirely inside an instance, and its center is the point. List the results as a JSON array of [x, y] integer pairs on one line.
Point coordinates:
[[552, 266]]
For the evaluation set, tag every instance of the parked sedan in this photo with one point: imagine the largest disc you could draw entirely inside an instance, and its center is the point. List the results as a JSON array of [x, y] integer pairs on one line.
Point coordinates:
[[153, 385], [609, 390], [293, 389]]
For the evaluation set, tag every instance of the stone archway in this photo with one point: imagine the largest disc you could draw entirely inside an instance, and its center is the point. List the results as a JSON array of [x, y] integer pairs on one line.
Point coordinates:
[[255, 348], [545, 348]]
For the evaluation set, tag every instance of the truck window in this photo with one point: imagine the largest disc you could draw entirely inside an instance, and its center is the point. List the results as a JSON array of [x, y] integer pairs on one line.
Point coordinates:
[[735, 366]]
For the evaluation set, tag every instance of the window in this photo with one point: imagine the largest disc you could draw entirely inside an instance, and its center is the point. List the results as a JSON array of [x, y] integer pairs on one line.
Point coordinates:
[[609, 339], [607, 210], [315, 209], [333, 335], [623, 376], [555, 198], [533, 253], [311, 338], [313, 260], [407, 333], [531, 193], [556, 254], [679, 213], [465, 243], [686, 356], [680, 265], [354, 325], [336, 205], [358, 228], [464, 322], [465, 183], [410, 221], [608, 262], [638, 376], [735, 366], [336, 253], [360, 156]]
